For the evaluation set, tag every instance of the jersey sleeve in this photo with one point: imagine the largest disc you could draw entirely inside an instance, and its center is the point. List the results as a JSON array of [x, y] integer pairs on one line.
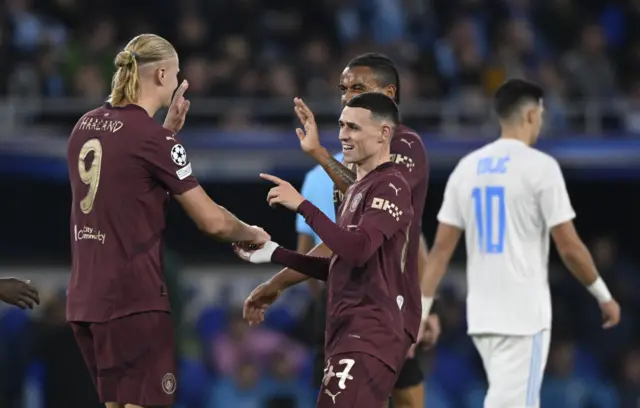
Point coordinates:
[[553, 197], [410, 158], [386, 211], [166, 159], [307, 192], [450, 212], [388, 207]]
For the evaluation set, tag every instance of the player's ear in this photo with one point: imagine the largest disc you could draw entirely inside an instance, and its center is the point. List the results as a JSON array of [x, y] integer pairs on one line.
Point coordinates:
[[385, 134], [162, 74], [390, 91], [530, 116]]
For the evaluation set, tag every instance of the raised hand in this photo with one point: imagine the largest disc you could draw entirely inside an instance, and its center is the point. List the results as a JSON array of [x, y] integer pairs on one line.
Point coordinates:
[[19, 293], [178, 110], [258, 301], [309, 138], [284, 193]]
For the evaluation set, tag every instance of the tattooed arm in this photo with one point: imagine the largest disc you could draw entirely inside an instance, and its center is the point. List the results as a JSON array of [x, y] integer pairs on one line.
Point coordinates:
[[339, 173], [310, 143]]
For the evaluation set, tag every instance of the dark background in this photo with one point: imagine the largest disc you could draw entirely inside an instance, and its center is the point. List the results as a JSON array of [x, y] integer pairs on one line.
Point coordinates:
[[36, 211]]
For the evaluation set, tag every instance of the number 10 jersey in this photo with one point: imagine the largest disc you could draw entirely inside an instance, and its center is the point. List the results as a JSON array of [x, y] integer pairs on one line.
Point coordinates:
[[507, 196]]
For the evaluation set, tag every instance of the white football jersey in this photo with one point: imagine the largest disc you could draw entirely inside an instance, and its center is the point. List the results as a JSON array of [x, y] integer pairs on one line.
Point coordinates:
[[507, 196]]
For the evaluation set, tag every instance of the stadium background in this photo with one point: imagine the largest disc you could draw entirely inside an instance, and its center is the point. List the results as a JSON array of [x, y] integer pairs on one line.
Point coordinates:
[[245, 60]]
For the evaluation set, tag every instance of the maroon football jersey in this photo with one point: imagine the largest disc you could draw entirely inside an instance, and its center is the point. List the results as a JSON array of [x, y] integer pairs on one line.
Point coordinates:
[[409, 155], [365, 302], [122, 166]]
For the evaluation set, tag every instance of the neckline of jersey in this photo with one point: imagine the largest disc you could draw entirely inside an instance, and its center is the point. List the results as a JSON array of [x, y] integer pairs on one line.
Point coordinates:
[[510, 140], [131, 106], [380, 167]]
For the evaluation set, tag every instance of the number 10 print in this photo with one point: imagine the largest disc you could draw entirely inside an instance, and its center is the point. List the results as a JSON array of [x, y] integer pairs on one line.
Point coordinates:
[[490, 218]]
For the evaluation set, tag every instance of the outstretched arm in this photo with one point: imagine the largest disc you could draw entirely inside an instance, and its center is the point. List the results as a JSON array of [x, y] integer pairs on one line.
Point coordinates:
[[216, 220], [385, 212], [289, 277], [312, 266], [156, 153]]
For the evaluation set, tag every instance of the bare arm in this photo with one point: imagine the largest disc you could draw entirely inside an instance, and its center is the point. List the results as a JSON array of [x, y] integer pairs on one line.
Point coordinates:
[[574, 253], [213, 219], [339, 173], [578, 260], [445, 243]]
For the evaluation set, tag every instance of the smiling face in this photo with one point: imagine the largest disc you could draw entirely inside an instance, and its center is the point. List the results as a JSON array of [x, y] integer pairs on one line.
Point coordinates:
[[361, 135]]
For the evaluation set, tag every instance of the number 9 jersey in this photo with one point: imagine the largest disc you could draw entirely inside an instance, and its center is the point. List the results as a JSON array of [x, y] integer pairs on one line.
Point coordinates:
[[123, 166], [507, 196]]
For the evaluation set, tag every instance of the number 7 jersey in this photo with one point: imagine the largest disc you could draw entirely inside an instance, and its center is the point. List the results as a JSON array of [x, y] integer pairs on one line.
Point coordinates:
[[123, 166], [507, 196]]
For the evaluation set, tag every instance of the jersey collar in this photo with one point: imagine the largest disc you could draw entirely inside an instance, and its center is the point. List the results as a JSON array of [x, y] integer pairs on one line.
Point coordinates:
[[129, 107]]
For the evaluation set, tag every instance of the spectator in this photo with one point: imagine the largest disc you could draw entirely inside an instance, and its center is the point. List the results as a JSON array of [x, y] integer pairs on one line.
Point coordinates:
[[630, 387], [241, 389], [591, 72], [252, 344]]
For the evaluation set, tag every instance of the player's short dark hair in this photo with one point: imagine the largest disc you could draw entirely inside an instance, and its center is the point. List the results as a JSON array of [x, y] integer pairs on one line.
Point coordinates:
[[511, 95], [380, 105], [382, 66]]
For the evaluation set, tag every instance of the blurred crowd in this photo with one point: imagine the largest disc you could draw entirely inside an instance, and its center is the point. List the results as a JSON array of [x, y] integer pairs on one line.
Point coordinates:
[[586, 53], [226, 363]]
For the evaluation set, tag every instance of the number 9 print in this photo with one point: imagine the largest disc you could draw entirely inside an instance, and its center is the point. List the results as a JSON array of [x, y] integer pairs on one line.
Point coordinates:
[[90, 172]]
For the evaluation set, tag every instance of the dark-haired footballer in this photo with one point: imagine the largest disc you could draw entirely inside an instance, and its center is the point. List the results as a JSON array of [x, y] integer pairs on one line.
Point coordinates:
[[366, 341], [375, 73], [508, 197]]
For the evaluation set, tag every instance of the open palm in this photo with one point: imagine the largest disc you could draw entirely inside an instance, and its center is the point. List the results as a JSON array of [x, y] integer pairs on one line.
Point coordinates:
[[309, 138]]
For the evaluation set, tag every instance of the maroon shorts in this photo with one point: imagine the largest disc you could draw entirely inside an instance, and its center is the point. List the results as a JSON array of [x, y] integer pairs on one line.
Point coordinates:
[[355, 380], [131, 359]]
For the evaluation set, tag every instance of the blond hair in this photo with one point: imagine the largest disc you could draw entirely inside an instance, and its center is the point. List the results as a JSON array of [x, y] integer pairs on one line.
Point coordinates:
[[141, 50]]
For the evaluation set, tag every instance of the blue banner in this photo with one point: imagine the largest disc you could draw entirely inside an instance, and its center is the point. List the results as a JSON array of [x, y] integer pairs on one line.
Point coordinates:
[[236, 156]]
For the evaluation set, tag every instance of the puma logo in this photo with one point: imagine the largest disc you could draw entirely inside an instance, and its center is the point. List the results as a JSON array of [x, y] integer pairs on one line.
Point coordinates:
[[333, 396], [394, 188], [407, 142], [173, 137]]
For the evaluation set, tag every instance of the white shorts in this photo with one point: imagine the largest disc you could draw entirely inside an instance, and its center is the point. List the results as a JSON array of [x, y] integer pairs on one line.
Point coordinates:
[[514, 366]]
